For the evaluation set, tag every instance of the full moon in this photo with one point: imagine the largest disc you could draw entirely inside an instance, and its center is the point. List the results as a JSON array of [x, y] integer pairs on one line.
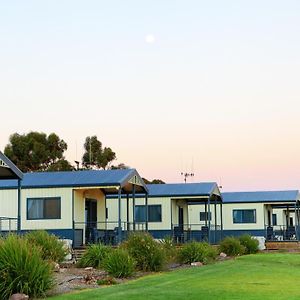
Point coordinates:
[[150, 38]]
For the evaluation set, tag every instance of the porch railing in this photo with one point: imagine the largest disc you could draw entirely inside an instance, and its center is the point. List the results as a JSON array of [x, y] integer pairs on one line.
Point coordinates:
[[8, 225], [183, 233], [103, 232], [282, 233]]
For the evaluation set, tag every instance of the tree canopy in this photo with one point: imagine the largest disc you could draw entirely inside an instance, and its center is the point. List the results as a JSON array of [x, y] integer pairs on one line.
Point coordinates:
[[36, 151], [154, 181], [95, 156]]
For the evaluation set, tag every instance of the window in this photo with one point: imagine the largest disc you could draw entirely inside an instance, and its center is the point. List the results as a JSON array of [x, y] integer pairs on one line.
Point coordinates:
[[244, 216], [154, 213], [43, 208], [204, 216], [274, 219]]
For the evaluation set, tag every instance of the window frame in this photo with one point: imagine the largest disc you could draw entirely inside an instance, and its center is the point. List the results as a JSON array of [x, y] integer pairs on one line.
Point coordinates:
[[43, 199], [208, 216], [274, 217], [233, 219], [149, 221]]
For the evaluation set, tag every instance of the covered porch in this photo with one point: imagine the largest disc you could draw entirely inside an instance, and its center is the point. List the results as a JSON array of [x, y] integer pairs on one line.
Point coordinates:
[[209, 226], [90, 213], [283, 225]]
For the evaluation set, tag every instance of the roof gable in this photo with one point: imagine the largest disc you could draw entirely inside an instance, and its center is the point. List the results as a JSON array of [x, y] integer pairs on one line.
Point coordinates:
[[8, 170]]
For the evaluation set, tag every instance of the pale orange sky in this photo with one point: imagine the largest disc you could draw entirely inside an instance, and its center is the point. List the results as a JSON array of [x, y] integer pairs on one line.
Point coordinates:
[[215, 91]]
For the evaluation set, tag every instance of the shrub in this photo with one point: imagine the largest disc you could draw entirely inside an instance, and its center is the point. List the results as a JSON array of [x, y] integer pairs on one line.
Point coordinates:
[[22, 269], [119, 263], [52, 248], [250, 244], [232, 246], [169, 247], [94, 256], [107, 281], [148, 254], [197, 252]]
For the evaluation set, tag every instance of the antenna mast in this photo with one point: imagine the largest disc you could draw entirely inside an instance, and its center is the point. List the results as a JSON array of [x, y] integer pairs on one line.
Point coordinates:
[[185, 175]]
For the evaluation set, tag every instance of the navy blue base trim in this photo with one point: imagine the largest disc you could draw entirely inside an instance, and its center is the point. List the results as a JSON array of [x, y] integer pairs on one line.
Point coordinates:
[[161, 234], [60, 233], [253, 232]]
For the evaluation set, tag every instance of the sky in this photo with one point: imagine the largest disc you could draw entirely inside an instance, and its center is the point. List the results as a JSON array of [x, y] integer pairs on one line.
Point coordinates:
[[204, 87]]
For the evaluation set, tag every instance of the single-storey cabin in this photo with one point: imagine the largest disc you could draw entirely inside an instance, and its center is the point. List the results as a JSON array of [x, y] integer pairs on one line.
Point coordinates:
[[71, 205], [270, 214], [169, 211]]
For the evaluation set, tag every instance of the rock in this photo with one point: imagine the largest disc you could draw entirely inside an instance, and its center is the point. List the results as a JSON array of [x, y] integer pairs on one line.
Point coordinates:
[[56, 267], [62, 270], [19, 297], [222, 254], [89, 269], [197, 264]]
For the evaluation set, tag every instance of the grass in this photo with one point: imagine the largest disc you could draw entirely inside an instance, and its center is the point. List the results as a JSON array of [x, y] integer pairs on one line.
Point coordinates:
[[251, 277]]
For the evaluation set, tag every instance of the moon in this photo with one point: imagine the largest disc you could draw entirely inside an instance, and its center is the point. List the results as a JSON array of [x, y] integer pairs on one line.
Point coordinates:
[[150, 38]]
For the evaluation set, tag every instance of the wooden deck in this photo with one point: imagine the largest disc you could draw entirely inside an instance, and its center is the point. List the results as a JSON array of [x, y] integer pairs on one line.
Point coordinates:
[[278, 245]]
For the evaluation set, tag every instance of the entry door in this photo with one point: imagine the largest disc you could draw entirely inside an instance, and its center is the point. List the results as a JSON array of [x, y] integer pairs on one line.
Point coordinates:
[[180, 217], [91, 213]]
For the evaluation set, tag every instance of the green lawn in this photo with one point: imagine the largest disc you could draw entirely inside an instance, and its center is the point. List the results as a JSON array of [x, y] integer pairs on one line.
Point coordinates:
[[261, 276]]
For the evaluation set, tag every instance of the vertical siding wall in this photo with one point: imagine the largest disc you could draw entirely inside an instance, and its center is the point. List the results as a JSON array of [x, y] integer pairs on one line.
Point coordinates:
[[165, 224], [194, 214], [228, 216], [66, 208], [9, 203]]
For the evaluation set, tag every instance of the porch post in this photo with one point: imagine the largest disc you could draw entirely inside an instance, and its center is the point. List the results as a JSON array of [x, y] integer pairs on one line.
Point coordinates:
[[205, 213], [119, 217], [19, 206], [127, 202], [146, 205], [215, 206], [133, 207], [221, 216], [208, 204], [296, 220]]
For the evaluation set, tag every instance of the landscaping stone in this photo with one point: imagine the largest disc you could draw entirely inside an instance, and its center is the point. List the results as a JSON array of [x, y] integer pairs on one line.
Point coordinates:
[[89, 269], [222, 254], [56, 267], [19, 297], [197, 264]]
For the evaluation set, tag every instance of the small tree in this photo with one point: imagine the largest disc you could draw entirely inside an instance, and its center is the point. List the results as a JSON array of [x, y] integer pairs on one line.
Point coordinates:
[[95, 156], [36, 151]]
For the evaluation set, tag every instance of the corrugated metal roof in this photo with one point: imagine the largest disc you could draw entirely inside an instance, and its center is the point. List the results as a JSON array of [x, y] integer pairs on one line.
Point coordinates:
[[181, 189], [263, 196], [72, 178]]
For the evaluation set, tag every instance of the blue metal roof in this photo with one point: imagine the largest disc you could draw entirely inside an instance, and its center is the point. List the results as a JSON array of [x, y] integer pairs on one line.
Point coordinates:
[[181, 189], [72, 178], [264, 196]]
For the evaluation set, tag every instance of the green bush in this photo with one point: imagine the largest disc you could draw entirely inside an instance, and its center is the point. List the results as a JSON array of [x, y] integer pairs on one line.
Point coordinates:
[[119, 263], [197, 252], [250, 244], [232, 246], [52, 248], [94, 256], [148, 254], [170, 249], [22, 269], [107, 281]]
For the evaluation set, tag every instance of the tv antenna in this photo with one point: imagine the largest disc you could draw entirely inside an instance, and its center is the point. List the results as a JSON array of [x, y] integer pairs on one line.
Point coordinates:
[[186, 175]]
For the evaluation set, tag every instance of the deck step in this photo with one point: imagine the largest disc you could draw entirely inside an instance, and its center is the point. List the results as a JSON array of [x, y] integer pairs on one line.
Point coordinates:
[[78, 253]]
